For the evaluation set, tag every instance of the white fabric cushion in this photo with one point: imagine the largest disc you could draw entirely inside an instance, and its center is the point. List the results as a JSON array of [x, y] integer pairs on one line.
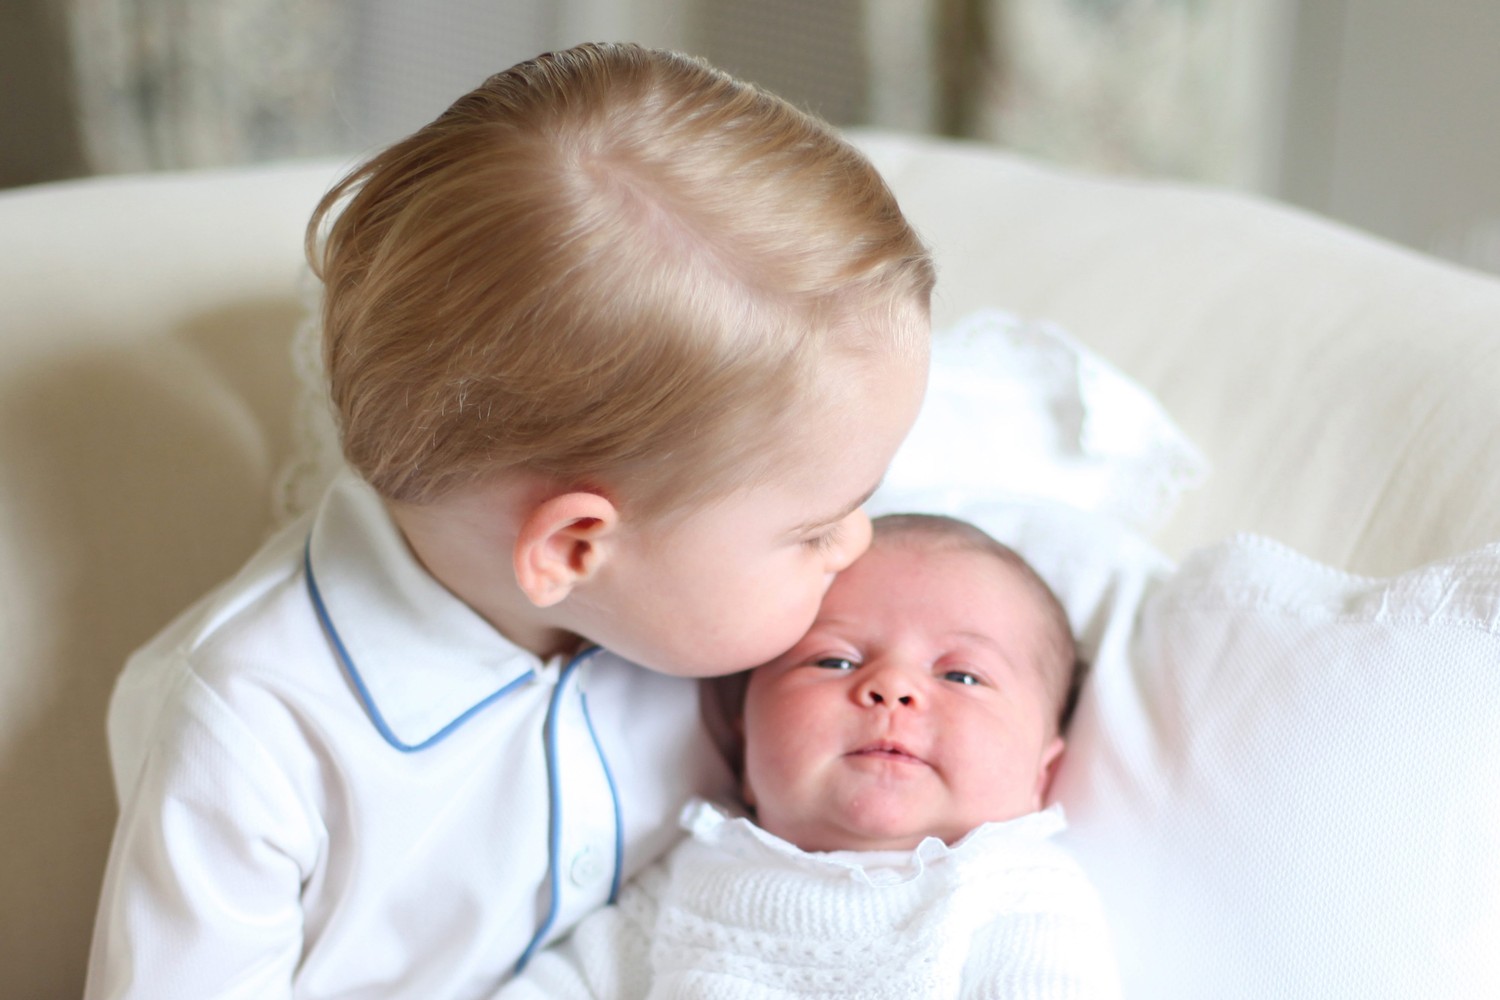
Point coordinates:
[[1286, 779], [1018, 410]]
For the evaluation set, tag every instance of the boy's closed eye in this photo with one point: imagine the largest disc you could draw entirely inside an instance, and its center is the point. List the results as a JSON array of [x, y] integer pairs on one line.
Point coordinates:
[[824, 541]]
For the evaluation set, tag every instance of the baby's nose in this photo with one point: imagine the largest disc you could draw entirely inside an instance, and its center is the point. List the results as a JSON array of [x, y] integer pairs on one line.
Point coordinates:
[[887, 687]]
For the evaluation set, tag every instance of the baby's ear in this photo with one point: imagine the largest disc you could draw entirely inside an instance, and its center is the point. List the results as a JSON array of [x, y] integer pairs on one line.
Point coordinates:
[[562, 542], [1052, 756]]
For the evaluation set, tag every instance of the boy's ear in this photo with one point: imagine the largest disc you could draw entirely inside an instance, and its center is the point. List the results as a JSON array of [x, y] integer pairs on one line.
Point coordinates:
[[561, 544], [1051, 757]]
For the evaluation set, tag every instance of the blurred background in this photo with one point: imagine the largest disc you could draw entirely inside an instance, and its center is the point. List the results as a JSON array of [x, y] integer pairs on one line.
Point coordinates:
[[1379, 113]]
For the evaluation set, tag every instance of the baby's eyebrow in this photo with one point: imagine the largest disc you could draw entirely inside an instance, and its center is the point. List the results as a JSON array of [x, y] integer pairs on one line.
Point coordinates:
[[978, 638], [990, 642]]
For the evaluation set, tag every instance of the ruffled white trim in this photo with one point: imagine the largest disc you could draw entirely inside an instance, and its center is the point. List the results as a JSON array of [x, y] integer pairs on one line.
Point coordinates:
[[739, 836]]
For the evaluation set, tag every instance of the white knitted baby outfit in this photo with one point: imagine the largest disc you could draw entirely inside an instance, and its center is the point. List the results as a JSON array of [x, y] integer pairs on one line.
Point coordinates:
[[734, 912]]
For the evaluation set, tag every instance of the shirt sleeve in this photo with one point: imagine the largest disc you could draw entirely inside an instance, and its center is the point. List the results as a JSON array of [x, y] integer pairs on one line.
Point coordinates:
[[201, 896]]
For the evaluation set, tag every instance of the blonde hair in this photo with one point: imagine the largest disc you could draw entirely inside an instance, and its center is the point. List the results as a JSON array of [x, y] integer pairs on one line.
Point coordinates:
[[612, 266]]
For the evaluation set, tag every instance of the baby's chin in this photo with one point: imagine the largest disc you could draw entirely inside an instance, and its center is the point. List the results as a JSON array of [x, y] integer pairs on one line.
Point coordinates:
[[865, 822], [844, 832]]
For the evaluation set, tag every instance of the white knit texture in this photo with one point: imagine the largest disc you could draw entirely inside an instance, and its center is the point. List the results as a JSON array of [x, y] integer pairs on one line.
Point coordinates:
[[736, 913]]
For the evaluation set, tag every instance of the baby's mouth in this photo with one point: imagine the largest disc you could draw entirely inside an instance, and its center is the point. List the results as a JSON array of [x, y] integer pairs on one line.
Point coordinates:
[[886, 749]]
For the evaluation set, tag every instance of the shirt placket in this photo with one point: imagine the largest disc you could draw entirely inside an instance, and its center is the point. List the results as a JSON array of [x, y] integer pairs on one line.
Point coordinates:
[[584, 822]]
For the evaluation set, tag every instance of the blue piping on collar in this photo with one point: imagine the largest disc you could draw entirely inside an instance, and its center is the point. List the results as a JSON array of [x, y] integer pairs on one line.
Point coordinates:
[[364, 692], [554, 797]]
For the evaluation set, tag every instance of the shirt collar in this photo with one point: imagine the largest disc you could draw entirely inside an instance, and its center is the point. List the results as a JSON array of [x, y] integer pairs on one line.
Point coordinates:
[[423, 661]]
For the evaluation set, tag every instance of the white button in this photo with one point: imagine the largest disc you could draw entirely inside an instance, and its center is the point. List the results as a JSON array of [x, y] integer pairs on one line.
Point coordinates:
[[588, 867]]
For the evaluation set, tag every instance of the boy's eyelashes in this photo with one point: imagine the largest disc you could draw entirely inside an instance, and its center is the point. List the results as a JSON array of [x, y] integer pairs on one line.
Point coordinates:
[[825, 540]]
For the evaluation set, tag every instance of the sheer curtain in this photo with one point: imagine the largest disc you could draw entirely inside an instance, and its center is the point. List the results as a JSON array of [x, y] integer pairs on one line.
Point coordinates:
[[179, 83], [1179, 88], [1174, 87], [185, 83], [167, 84]]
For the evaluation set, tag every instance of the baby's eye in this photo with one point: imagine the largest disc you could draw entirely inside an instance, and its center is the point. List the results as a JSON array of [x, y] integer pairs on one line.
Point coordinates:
[[835, 663], [960, 677]]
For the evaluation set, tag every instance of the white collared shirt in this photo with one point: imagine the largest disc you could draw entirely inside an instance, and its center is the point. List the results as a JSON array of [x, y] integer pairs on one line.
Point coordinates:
[[394, 801]]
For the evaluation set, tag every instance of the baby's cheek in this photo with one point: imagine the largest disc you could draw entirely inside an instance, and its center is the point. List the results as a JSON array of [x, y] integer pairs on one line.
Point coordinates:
[[777, 781]]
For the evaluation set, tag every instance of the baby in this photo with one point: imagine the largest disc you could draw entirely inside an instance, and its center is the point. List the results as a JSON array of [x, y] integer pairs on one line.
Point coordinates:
[[895, 761]]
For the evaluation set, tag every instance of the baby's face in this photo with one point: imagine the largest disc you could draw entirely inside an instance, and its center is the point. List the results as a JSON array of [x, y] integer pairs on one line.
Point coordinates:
[[912, 708]]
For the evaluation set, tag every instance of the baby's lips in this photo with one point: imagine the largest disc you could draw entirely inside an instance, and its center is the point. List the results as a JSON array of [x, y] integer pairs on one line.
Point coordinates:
[[888, 748]]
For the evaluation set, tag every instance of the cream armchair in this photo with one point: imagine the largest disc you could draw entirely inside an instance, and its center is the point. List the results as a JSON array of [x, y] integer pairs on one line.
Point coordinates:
[[1346, 393]]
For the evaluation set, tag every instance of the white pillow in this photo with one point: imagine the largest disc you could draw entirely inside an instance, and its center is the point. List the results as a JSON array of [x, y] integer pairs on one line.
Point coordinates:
[[1286, 783], [1019, 410]]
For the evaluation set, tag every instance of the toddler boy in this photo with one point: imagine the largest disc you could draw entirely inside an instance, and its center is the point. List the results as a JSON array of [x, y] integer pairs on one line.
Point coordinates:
[[618, 346]]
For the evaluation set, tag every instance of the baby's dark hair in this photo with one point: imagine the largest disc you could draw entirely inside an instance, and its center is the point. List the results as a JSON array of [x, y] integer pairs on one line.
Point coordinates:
[[1057, 656]]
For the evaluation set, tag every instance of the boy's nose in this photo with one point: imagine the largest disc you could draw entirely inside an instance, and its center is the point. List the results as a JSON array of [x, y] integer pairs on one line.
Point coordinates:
[[854, 539]]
